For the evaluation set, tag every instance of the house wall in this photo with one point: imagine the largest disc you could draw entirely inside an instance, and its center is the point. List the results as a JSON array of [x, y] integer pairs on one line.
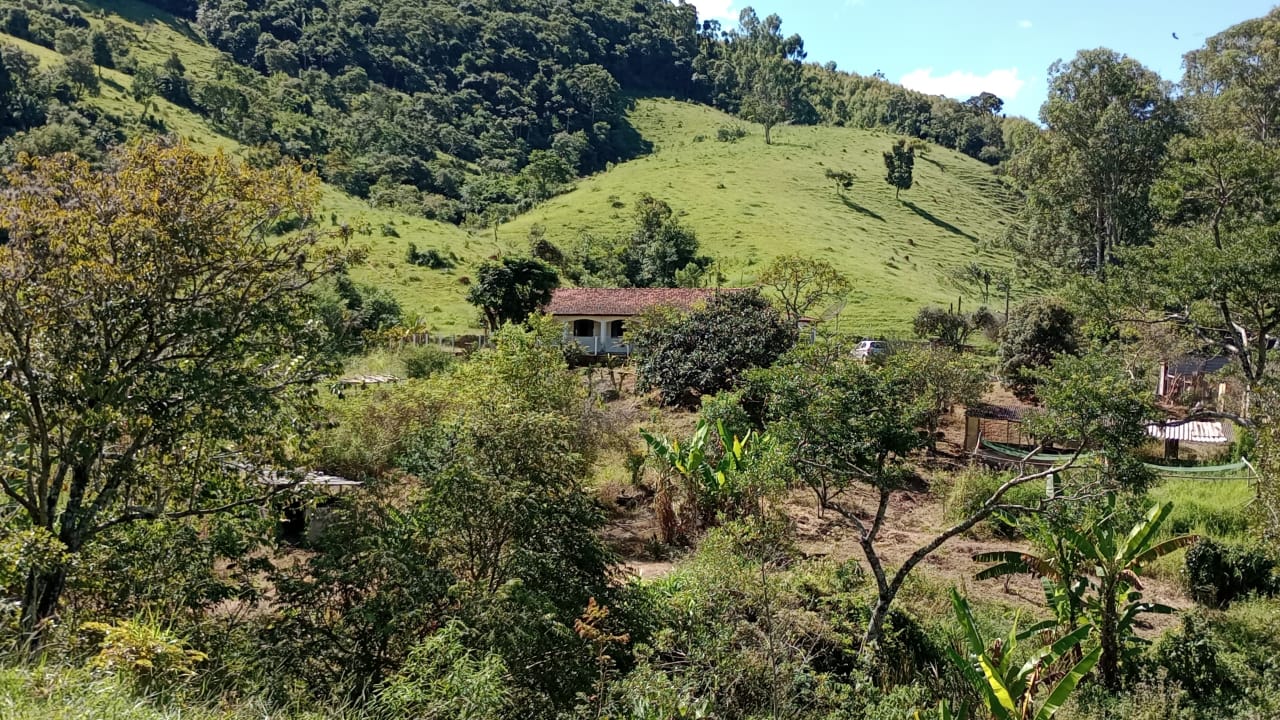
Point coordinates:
[[599, 342]]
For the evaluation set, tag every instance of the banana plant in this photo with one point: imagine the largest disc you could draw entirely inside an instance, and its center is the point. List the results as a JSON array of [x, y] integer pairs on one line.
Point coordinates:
[[1033, 690], [1060, 569], [715, 485], [1098, 570]]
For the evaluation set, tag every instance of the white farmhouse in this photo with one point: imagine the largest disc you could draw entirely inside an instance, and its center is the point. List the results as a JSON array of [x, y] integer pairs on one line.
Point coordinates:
[[597, 317]]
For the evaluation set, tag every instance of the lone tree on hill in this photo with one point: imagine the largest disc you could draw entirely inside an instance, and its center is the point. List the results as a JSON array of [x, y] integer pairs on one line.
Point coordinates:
[[899, 161], [843, 180], [157, 338], [769, 68]]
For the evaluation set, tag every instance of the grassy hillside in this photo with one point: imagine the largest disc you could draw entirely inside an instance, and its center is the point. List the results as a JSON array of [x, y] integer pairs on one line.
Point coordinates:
[[748, 202]]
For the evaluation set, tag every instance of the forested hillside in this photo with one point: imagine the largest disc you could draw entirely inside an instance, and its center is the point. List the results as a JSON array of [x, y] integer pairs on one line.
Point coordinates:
[[436, 116]]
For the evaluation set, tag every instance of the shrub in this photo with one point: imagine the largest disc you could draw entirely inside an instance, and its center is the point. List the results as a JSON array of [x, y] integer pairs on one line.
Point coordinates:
[[730, 133], [426, 361], [146, 657], [726, 407], [709, 349], [1219, 574], [1190, 656], [442, 679], [951, 328], [429, 258]]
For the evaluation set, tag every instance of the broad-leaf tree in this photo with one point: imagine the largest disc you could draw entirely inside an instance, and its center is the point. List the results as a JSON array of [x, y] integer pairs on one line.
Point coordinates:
[[1215, 270], [154, 333], [1089, 175], [899, 162], [511, 289], [1036, 332], [659, 247], [940, 379], [709, 349], [803, 284]]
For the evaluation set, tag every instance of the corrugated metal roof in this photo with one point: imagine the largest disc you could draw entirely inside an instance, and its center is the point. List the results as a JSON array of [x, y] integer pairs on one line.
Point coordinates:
[[1197, 432], [1198, 364]]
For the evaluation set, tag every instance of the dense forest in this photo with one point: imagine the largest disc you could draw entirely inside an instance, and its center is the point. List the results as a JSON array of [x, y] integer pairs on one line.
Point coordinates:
[[237, 484], [470, 112]]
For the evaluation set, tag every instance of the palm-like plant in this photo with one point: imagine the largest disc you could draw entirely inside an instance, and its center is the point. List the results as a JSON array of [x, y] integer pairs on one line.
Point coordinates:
[[712, 484], [1097, 571], [1060, 569], [1034, 690]]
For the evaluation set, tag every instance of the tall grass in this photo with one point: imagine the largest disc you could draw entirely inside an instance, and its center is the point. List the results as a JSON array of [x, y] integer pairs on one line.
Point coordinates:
[[1216, 508], [47, 692]]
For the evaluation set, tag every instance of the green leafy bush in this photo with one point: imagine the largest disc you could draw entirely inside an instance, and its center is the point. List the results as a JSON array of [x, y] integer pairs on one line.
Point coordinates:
[[442, 679], [709, 349], [145, 656], [1190, 657], [429, 258], [730, 133], [1219, 574], [426, 361]]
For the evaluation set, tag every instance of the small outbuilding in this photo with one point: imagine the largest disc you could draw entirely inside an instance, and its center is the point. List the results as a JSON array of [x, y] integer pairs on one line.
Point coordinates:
[[1173, 434]]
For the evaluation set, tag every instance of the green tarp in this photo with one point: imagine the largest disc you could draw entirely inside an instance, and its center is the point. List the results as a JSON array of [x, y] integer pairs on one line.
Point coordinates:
[[1239, 468]]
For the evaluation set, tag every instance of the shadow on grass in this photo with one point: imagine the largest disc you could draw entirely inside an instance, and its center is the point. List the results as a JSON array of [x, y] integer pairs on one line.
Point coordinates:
[[142, 13], [937, 220], [855, 206]]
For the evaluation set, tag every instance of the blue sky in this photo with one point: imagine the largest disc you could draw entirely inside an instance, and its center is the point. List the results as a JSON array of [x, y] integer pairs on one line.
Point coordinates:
[[961, 47]]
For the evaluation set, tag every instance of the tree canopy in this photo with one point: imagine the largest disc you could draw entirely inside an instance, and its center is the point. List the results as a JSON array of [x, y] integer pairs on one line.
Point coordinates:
[[686, 356], [157, 338], [511, 289]]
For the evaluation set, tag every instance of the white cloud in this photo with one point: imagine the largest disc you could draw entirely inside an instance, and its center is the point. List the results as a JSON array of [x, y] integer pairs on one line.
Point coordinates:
[[960, 84], [1024, 24], [715, 9]]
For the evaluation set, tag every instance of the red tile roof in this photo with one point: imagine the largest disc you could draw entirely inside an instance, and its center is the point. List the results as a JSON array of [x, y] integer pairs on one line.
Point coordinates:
[[623, 301]]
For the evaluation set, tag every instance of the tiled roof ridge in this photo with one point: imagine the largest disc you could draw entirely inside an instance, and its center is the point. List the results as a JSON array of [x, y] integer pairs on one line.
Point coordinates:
[[625, 301]]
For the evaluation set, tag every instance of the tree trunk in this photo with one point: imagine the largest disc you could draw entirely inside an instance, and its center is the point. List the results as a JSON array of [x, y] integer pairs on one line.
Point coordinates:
[[40, 602], [768, 139], [1109, 664], [875, 626]]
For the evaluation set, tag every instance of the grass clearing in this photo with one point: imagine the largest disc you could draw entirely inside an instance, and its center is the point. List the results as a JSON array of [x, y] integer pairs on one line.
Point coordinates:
[[1216, 508], [749, 202]]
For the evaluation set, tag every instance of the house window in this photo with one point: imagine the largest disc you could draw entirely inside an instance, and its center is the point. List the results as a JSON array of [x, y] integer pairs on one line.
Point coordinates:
[[584, 328], [615, 329]]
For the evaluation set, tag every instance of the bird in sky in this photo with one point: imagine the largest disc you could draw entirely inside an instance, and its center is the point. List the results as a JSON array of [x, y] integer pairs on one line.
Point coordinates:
[[1175, 36]]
